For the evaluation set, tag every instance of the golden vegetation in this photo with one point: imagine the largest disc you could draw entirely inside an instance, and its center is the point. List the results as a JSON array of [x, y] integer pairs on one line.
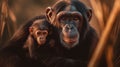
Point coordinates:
[[105, 34]]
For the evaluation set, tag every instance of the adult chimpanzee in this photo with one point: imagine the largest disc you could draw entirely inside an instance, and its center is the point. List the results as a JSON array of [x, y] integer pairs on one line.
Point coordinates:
[[77, 38], [22, 49]]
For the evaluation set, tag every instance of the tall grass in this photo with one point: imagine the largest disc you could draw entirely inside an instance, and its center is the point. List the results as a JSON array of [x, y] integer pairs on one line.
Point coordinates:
[[98, 12], [105, 35], [7, 22]]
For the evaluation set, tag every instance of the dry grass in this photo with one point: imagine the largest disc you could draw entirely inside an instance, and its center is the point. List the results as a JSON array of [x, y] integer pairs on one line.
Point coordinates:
[[4, 15], [98, 12], [5, 25], [104, 37]]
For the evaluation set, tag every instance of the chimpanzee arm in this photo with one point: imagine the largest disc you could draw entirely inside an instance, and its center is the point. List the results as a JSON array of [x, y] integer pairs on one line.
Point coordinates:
[[64, 62], [56, 61]]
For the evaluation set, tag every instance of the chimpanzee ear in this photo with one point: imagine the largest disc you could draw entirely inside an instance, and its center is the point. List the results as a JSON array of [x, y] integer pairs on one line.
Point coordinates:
[[31, 30], [89, 14], [49, 14]]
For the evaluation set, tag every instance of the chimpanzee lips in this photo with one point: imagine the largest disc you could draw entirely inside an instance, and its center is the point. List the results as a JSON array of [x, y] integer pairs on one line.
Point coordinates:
[[71, 40], [70, 35], [41, 41]]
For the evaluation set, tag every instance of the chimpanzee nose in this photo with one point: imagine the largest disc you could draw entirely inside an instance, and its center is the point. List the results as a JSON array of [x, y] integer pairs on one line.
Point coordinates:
[[69, 26]]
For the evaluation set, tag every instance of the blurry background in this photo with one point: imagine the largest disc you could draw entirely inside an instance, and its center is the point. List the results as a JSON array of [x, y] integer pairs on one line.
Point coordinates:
[[105, 20], [16, 12]]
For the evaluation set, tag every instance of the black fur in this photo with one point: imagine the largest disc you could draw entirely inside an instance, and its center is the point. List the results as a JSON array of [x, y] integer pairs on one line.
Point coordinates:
[[21, 50], [79, 55]]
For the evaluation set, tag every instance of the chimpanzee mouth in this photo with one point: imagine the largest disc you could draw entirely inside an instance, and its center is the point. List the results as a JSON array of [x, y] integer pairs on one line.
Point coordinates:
[[71, 40], [41, 41]]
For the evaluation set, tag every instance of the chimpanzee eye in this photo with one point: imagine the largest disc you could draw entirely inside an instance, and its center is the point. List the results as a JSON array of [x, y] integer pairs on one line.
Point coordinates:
[[62, 19], [38, 33], [45, 32], [76, 19]]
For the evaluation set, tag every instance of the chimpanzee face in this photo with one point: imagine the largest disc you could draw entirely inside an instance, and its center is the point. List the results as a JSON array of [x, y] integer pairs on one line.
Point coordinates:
[[39, 31], [69, 20]]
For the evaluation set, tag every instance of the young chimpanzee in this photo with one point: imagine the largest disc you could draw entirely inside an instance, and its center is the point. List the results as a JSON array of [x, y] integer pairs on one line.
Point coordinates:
[[32, 40], [40, 37]]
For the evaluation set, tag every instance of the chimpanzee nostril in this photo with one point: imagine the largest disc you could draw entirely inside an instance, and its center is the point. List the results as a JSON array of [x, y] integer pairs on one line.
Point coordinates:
[[70, 26]]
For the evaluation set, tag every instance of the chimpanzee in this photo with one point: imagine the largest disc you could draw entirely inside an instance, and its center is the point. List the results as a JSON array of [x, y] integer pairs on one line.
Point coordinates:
[[77, 38], [40, 37], [22, 49]]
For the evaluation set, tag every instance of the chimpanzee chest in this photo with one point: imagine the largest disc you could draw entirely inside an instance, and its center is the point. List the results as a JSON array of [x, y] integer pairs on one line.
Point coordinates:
[[78, 52]]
